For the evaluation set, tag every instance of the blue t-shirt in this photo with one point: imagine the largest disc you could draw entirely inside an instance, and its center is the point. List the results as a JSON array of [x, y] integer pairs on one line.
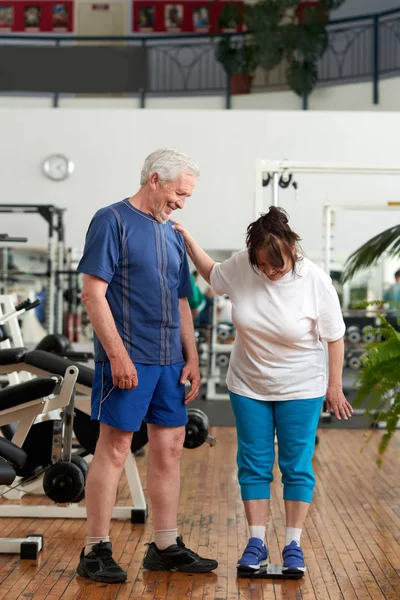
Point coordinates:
[[146, 266]]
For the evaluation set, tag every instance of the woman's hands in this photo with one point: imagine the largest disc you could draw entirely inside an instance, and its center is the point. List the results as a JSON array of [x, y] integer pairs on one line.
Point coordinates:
[[179, 227], [336, 402], [201, 260]]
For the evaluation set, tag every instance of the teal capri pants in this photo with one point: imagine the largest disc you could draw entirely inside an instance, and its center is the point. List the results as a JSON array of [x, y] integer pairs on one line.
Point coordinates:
[[295, 423]]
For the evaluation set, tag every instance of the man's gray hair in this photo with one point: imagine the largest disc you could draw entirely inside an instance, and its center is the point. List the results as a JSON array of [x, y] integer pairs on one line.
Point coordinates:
[[168, 164]]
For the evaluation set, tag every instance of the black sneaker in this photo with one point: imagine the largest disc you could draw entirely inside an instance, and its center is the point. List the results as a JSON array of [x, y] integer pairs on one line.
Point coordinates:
[[99, 565], [177, 558]]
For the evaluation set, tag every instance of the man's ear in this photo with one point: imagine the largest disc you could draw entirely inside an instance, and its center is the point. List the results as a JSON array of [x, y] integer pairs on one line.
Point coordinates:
[[154, 179]]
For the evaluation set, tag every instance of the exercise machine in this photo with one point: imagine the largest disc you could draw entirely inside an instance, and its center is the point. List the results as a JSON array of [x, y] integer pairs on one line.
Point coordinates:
[[40, 364], [63, 481]]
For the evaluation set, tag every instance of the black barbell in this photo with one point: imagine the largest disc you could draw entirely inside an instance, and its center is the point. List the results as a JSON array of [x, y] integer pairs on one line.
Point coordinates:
[[197, 432]]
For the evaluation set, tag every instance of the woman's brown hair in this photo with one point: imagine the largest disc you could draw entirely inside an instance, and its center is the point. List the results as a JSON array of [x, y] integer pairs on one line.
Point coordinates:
[[272, 232]]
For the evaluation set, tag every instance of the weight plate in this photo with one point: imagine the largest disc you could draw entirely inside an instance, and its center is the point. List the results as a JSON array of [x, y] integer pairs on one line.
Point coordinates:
[[222, 360], [84, 467], [63, 482], [355, 363], [196, 429], [354, 337]]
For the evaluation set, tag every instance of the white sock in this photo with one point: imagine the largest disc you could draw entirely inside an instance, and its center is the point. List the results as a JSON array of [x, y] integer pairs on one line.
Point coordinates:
[[164, 538], [292, 533], [92, 541], [257, 531]]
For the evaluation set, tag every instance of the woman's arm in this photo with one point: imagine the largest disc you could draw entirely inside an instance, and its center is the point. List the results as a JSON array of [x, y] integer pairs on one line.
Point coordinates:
[[201, 260], [335, 399], [336, 358]]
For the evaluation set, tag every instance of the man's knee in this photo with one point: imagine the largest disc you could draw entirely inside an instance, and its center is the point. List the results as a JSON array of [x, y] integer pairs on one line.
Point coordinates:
[[114, 443], [166, 444]]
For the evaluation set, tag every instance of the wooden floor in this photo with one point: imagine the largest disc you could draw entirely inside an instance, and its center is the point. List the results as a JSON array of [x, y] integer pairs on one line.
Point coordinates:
[[351, 540]]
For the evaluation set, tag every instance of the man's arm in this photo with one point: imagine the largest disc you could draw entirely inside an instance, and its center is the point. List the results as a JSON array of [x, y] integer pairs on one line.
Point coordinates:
[[190, 371], [99, 312]]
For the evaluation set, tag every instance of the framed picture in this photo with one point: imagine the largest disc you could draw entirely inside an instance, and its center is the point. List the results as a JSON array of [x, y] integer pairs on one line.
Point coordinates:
[[173, 17], [59, 17], [145, 17], [6, 17], [201, 18], [32, 17]]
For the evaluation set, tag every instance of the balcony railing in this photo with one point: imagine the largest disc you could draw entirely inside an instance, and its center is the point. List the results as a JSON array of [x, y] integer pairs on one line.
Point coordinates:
[[363, 48]]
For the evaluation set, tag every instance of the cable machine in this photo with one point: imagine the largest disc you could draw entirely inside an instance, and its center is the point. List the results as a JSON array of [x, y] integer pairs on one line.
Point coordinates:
[[280, 175], [55, 258]]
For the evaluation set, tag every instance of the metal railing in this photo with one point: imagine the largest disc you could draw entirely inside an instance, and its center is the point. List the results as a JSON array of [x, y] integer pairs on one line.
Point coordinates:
[[365, 48]]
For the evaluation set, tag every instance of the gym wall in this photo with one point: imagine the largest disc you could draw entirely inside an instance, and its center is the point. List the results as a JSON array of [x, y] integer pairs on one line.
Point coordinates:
[[108, 148]]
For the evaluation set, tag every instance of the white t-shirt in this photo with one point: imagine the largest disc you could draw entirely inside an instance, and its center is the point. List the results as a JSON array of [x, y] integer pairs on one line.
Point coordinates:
[[278, 352]]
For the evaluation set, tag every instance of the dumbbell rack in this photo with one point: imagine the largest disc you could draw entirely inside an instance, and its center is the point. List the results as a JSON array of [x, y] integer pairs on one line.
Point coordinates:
[[357, 336], [215, 371]]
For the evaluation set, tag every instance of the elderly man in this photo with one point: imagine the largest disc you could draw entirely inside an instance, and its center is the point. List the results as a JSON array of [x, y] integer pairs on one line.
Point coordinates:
[[135, 289]]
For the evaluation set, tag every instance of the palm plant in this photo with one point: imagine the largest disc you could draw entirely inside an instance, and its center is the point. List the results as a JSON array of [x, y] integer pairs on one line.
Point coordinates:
[[379, 378], [369, 253]]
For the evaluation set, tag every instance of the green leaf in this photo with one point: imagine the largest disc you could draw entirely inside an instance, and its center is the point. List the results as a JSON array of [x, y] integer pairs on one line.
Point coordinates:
[[302, 77], [369, 253]]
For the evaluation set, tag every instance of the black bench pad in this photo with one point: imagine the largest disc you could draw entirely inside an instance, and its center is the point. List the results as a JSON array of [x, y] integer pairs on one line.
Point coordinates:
[[58, 365], [7, 473], [14, 395], [12, 453], [12, 356]]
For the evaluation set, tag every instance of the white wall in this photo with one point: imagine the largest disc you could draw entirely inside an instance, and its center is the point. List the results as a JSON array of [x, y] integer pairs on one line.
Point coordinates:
[[108, 148], [352, 8], [352, 96]]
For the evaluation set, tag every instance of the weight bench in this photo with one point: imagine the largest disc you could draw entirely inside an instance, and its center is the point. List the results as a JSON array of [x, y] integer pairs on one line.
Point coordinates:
[[12, 457], [41, 363]]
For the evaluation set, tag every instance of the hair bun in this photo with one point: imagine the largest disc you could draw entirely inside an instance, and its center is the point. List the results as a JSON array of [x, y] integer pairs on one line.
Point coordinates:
[[276, 215]]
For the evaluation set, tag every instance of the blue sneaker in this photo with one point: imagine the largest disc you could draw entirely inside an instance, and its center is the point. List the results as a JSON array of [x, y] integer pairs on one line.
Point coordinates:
[[254, 556], [293, 558]]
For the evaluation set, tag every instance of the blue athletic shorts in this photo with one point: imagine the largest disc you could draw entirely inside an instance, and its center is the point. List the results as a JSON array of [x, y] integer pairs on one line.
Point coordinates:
[[158, 398]]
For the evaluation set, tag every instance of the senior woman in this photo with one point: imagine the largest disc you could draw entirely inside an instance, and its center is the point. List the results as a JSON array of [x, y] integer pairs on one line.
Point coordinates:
[[283, 307]]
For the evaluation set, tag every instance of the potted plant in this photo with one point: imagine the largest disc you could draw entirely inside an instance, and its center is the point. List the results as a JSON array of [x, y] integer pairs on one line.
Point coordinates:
[[237, 56], [278, 30], [379, 378]]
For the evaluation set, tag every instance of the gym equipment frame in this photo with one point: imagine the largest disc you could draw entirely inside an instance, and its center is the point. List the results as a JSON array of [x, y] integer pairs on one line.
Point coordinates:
[[138, 512], [26, 414], [281, 172], [330, 211], [54, 217]]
